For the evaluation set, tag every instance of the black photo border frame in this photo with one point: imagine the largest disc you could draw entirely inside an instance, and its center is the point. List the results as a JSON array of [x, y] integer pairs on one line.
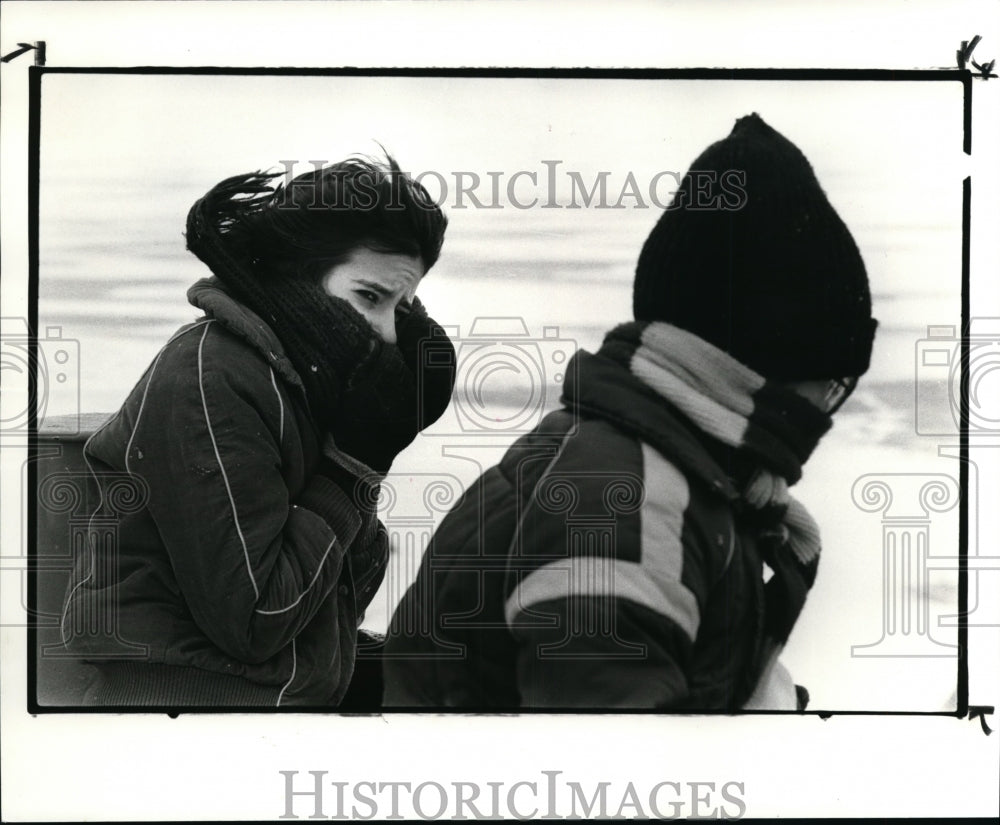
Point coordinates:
[[964, 77]]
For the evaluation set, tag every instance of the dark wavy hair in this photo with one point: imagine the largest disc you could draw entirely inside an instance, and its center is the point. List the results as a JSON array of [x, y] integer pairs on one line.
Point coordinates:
[[314, 221]]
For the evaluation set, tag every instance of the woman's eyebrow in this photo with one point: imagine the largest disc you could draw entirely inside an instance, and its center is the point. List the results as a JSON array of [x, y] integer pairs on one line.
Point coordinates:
[[374, 286]]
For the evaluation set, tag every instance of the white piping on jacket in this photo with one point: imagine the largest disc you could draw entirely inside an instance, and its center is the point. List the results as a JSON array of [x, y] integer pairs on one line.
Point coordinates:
[[295, 666], [281, 408], [312, 581], [128, 448], [90, 543], [218, 458]]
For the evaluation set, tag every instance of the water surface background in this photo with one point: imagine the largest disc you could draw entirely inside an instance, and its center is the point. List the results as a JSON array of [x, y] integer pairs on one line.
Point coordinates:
[[123, 158]]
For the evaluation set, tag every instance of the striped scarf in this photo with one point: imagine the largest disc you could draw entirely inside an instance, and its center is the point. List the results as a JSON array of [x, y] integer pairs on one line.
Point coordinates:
[[769, 431]]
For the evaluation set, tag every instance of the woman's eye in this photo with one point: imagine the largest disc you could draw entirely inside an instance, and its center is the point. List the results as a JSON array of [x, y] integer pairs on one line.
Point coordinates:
[[367, 296]]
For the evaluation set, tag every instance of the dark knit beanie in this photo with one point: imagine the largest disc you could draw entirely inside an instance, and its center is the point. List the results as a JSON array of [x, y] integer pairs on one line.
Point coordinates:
[[751, 256]]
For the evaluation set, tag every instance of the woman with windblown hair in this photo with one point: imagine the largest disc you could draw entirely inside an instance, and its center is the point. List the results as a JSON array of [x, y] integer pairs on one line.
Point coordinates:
[[260, 434]]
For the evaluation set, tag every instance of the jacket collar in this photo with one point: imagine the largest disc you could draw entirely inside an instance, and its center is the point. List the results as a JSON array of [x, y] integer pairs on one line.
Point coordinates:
[[600, 387], [209, 295]]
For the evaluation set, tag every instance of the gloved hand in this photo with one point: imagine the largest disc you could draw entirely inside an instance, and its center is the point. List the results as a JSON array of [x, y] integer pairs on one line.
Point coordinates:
[[786, 591], [430, 355], [361, 488], [399, 391], [369, 548]]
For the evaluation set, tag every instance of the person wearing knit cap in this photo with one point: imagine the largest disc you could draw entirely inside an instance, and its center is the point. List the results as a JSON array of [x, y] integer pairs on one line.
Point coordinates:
[[257, 440], [622, 546]]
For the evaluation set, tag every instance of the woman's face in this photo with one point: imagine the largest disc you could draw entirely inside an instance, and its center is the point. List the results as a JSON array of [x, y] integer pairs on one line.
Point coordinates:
[[376, 284]]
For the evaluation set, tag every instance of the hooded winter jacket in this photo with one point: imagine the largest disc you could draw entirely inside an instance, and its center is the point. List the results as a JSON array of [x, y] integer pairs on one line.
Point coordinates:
[[249, 557], [606, 562]]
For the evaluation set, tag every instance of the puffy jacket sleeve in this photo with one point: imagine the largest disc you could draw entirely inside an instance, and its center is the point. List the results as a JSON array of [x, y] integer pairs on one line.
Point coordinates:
[[252, 564], [607, 580]]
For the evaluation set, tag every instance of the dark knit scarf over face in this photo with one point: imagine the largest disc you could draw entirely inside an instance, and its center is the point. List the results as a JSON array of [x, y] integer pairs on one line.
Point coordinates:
[[360, 389], [768, 432]]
